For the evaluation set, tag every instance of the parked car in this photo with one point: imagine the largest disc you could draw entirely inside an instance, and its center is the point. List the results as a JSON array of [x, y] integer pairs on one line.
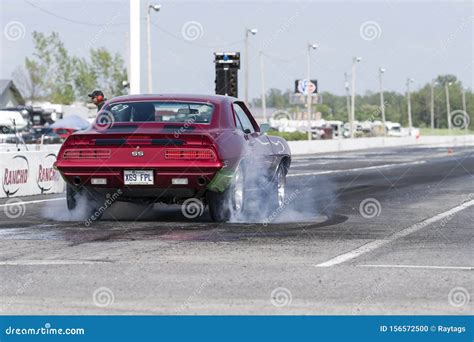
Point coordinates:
[[41, 134], [173, 148]]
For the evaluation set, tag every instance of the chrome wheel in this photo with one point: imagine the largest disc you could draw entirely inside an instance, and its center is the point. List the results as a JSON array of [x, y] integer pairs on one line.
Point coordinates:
[[238, 195], [281, 185]]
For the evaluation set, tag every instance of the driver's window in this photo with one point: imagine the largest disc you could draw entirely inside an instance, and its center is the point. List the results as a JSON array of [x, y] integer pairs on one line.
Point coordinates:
[[243, 119]]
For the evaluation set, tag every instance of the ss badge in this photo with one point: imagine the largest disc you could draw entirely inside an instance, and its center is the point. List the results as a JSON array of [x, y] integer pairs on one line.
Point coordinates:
[[137, 153]]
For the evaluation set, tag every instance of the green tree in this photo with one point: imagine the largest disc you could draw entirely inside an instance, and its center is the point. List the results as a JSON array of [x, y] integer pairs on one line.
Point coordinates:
[[52, 74], [109, 71]]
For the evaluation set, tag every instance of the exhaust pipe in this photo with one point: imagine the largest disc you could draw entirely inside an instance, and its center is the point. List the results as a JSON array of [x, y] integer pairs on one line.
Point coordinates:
[[201, 181], [77, 180]]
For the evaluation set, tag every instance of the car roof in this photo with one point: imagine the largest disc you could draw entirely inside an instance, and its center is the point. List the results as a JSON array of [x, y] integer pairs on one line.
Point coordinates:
[[213, 99]]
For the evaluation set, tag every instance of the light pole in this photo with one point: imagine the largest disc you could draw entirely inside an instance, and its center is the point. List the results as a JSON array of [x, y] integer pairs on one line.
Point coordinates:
[[262, 77], [134, 70], [246, 85], [448, 106], [410, 123], [463, 94], [382, 103], [353, 76], [348, 100], [155, 8], [433, 83], [308, 79]]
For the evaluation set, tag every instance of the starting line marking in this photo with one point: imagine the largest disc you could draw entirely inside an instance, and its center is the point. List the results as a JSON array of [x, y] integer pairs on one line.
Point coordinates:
[[371, 246], [49, 262], [466, 268], [376, 167], [16, 203]]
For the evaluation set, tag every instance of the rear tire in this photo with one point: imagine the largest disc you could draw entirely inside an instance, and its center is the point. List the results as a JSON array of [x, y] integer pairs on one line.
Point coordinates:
[[94, 201], [277, 189], [72, 195], [223, 205]]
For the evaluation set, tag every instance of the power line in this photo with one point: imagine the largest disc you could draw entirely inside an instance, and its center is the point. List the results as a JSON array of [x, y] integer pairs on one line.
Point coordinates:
[[85, 23], [283, 60], [194, 42]]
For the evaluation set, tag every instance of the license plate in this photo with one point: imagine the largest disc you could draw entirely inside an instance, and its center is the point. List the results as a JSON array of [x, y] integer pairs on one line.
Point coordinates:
[[138, 177]]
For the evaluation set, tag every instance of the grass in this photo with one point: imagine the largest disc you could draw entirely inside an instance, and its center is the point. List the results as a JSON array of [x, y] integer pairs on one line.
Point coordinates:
[[290, 136], [293, 136], [444, 131]]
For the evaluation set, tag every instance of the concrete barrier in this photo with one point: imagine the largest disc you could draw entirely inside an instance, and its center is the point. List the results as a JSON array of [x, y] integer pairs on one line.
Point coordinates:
[[26, 173], [339, 145]]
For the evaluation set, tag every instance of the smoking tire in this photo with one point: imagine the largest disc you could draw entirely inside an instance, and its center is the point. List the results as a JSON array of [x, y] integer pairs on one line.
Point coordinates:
[[277, 188], [94, 200], [72, 195], [230, 202]]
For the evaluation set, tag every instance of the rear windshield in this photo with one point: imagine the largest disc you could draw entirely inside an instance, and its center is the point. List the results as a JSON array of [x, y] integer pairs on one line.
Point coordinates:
[[161, 112]]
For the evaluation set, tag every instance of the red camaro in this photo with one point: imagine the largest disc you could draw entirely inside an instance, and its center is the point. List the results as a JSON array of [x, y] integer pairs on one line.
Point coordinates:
[[172, 148]]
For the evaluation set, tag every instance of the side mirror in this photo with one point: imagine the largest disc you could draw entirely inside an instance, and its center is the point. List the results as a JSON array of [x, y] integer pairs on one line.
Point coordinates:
[[247, 131], [264, 127]]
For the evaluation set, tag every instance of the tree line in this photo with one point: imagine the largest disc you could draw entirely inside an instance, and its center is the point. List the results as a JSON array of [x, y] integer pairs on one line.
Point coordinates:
[[334, 107], [52, 74]]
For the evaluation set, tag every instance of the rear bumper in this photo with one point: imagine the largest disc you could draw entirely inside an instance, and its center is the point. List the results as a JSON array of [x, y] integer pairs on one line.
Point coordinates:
[[197, 180]]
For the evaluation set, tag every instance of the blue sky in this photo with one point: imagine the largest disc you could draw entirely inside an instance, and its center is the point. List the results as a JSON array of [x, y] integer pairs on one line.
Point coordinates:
[[410, 39]]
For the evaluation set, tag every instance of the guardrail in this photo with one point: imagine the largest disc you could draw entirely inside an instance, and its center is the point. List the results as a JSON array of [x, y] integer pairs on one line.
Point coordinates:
[[339, 145], [25, 173]]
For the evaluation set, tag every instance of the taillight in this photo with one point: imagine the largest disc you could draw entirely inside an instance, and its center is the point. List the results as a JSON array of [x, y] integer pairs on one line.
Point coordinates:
[[79, 140], [188, 154], [87, 153]]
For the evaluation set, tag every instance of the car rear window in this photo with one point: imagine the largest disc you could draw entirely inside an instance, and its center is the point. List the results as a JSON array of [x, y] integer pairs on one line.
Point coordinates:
[[160, 112]]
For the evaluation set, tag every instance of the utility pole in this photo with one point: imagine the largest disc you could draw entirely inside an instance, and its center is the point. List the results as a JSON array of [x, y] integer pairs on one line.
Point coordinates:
[[382, 103], [448, 107], [135, 47], [308, 79], [353, 76], [246, 84], [262, 77], [463, 94], [156, 8], [433, 83], [410, 123], [348, 101]]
